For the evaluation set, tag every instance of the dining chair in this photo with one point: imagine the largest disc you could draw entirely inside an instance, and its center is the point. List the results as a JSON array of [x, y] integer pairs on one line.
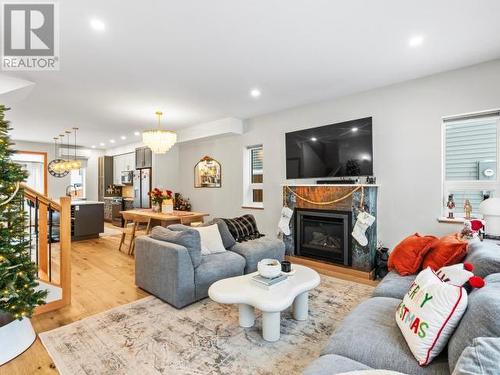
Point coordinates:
[[131, 227], [138, 221]]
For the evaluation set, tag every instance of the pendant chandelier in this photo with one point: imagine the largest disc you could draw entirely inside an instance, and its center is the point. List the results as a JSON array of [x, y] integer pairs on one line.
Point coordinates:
[[159, 140], [61, 167]]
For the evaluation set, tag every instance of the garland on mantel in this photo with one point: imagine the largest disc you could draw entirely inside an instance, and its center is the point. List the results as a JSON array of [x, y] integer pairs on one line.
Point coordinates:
[[361, 202]]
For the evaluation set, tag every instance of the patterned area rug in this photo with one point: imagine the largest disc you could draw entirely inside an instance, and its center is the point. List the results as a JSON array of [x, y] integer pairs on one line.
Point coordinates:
[[151, 337]]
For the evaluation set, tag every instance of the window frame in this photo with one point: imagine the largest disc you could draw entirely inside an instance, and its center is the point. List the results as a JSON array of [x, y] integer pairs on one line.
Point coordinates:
[[466, 185], [248, 185]]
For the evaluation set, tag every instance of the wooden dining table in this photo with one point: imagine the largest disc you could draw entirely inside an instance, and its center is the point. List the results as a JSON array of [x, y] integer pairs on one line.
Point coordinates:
[[167, 218]]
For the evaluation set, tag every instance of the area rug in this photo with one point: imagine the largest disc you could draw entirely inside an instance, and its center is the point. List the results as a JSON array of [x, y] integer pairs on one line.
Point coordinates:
[[149, 336]]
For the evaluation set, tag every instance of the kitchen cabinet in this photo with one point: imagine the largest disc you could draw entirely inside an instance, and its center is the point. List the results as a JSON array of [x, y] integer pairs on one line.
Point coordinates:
[[87, 220], [104, 175], [124, 162], [143, 158]]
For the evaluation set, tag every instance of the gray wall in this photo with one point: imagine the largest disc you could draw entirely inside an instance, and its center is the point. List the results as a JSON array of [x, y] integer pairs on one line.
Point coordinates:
[[407, 149], [57, 186]]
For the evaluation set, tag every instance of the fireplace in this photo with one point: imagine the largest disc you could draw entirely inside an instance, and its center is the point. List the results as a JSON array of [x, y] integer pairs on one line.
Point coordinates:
[[323, 235]]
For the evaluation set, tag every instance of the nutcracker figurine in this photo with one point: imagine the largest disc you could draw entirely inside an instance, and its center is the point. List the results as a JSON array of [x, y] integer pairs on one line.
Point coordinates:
[[451, 206], [467, 209]]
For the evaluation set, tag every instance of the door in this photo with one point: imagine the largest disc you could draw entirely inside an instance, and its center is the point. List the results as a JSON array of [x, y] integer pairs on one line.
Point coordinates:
[[145, 188], [35, 163]]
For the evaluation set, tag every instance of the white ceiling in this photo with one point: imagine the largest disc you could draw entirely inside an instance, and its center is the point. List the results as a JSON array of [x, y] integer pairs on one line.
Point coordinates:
[[198, 60]]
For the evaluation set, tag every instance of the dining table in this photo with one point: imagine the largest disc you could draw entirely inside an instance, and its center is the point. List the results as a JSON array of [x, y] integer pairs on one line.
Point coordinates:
[[167, 218]]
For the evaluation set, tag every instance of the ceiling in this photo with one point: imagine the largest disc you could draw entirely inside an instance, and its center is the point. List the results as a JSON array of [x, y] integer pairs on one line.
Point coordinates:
[[198, 60]]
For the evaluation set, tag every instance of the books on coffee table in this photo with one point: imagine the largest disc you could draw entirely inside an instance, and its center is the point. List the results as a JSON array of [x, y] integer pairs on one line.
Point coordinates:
[[268, 283]]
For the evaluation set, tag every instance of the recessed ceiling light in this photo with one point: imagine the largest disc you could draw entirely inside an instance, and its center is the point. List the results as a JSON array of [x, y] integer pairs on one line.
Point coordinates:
[[255, 93], [314, 139], [93, 146], [102, 144], [97, 25], [137, 134], [123, 137], [416, 41], [111, 141], [354, 130]]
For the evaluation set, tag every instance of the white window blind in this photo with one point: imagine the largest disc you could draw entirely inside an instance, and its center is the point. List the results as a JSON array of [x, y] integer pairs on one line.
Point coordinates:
[[470, 159], [468, 144]]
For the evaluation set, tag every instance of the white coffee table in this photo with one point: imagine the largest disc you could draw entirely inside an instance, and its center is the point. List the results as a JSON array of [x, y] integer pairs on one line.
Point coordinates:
[[242, 291]]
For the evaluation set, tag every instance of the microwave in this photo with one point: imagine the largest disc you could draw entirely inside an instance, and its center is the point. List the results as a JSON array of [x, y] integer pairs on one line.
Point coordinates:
[[127, 177]]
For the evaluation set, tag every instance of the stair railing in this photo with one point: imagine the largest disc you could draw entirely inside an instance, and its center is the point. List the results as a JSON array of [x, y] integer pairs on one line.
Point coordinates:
[[49, 229]]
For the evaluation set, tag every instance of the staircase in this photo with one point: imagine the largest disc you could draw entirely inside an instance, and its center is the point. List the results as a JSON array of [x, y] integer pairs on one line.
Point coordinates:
[[49, 229]]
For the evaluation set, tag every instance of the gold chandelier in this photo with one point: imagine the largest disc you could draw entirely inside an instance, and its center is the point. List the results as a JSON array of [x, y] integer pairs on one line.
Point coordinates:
[[159, 140], [61, 165]]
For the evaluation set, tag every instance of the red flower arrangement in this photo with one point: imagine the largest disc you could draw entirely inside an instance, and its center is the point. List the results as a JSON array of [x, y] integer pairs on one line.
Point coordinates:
[[158, 195]]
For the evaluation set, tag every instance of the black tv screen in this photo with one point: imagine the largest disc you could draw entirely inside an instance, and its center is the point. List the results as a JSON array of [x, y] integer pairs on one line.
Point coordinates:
[[337, 150]]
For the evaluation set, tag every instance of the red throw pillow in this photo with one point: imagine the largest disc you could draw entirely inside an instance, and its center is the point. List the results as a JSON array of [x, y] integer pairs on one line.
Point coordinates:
[[407, 256], [447, 251]]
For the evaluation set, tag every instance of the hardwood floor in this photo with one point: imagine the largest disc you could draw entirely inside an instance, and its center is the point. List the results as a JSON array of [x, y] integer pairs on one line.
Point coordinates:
[[102, 278]]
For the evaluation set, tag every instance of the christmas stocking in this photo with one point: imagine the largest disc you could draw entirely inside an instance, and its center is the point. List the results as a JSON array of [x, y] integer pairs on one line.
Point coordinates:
[[284, 224], [363, 222]]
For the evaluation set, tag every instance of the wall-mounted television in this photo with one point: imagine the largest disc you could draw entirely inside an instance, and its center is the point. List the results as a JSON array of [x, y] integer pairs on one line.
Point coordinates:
[[337, 150]]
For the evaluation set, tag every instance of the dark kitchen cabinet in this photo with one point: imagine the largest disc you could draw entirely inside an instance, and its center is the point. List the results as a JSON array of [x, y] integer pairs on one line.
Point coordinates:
[[143, 158], [87, 219], [105, 176]]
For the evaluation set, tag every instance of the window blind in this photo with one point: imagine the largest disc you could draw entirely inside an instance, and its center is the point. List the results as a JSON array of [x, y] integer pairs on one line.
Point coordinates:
[[467, 143], [257, 158]]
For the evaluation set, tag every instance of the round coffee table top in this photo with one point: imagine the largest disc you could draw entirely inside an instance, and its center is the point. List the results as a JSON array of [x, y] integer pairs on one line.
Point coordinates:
[[242, 290]]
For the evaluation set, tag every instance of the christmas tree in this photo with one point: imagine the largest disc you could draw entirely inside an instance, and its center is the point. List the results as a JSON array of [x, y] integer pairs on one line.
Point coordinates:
[[18, 296]]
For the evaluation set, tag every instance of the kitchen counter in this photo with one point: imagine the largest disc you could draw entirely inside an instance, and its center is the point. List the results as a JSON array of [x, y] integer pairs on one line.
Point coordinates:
[[79, 203]]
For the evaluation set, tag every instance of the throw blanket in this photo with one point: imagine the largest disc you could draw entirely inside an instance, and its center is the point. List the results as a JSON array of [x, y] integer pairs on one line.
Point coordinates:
[[243, 228]]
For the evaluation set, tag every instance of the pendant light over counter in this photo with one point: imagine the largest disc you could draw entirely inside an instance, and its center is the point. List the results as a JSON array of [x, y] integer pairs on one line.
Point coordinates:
[[61, 167], [159, 140]]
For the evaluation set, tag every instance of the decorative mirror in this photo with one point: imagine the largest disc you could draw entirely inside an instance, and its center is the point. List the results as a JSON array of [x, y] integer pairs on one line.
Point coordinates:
[[207, 173]]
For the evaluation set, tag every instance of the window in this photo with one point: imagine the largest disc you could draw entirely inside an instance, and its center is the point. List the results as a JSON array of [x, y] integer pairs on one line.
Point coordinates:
[[253, 177], [470, 159], [77, 179]]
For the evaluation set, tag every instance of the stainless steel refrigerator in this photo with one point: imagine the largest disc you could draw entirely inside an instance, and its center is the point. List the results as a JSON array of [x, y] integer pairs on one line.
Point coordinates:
[[142, 186]]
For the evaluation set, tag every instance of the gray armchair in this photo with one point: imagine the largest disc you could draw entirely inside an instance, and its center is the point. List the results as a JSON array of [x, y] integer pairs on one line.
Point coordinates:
[[173, 269]]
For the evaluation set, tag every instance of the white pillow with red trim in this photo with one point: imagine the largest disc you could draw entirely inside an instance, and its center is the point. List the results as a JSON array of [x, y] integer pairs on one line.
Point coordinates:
[[459, 275], [429, 314]]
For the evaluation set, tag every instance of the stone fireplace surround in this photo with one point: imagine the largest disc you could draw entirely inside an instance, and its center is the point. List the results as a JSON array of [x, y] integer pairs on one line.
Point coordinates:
[[362, 257]]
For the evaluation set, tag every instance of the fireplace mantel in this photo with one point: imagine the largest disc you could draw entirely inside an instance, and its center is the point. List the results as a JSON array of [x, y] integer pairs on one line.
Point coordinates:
[[334, 185], [363, 257]]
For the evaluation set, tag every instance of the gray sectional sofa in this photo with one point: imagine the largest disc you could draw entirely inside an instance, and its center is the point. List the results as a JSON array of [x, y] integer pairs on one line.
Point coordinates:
[[171, 267], [369, 337]]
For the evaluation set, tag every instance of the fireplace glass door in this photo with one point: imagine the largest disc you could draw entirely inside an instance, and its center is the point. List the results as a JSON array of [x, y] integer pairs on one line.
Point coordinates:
[[323, 236]]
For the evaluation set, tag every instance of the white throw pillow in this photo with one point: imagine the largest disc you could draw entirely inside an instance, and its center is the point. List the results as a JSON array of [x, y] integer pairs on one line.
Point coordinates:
[[429, 314], [211, 240]]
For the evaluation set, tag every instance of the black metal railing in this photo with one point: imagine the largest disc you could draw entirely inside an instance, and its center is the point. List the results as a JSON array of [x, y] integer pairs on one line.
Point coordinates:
[[34, 222]]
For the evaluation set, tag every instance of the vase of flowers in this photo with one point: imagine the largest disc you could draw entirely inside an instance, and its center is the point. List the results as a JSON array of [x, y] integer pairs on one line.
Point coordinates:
[[162, 200]]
